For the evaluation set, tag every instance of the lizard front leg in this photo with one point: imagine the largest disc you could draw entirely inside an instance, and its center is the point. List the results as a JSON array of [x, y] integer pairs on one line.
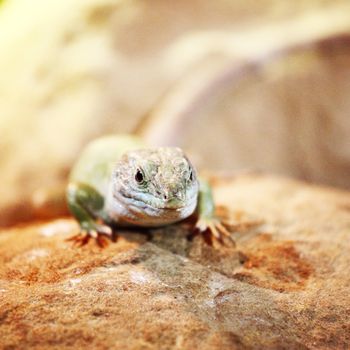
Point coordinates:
[[208, 224], [86, 204]]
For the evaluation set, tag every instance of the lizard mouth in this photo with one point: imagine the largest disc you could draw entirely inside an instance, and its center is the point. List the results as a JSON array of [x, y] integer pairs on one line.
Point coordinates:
[[152, 213], [160, 216], [170, 208], [155, 211], [174, 204]]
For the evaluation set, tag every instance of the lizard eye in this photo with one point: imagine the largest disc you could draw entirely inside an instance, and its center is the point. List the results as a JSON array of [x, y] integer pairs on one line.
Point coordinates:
[[191, 175], [139, 176]]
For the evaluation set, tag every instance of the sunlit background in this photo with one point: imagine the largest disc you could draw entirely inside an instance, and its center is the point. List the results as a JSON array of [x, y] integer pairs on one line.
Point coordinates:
[[241, 85]]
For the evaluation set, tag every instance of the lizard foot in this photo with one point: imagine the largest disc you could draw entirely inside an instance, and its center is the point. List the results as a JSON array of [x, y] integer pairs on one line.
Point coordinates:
[[213, 228], [97, 232]]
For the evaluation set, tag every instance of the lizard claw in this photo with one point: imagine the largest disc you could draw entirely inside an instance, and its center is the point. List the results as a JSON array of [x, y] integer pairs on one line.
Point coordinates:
[[80, 239], [96, 233], [101, 241], [214, 228]]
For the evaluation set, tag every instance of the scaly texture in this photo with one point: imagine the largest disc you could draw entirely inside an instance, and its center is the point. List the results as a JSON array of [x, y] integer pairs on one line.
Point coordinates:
[[166, 192]]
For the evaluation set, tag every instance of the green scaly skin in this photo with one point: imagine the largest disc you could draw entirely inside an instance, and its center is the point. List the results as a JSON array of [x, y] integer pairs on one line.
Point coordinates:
[[119, 181]]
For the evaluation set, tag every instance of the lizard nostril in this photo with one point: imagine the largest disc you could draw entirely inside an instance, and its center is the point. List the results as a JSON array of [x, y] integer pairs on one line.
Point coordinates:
[[165, 196]]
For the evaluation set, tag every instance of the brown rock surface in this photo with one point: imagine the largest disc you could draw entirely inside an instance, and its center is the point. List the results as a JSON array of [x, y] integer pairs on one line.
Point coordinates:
[[287, 284]]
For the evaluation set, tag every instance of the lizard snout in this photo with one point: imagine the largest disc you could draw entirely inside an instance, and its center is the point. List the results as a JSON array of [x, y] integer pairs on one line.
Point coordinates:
[[174, 200]]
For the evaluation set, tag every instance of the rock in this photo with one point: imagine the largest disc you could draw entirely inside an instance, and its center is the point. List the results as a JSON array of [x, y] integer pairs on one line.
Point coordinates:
[[286, 286]]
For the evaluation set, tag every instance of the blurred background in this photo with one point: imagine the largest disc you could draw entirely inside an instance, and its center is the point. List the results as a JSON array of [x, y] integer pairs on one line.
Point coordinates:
[[240, 85]]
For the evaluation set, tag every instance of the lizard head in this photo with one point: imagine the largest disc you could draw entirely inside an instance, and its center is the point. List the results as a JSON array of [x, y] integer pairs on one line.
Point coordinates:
[[153, 187]]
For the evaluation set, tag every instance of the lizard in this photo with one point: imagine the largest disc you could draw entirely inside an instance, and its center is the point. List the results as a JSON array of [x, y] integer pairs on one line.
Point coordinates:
[[119, 181]]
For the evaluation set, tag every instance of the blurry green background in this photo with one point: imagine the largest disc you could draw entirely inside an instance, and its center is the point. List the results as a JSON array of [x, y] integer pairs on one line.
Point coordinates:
[[257, 85]]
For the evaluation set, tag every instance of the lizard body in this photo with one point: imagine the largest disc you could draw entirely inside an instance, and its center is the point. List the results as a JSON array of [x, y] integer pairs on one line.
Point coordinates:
[[119, 181]]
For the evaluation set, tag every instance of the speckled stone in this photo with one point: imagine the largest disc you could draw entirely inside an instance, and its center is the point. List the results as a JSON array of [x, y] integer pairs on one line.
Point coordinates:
[[285, 286]]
